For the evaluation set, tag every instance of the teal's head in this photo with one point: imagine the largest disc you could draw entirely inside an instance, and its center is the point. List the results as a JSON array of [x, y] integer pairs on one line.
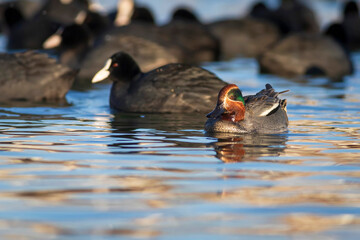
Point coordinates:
[[230, 104]]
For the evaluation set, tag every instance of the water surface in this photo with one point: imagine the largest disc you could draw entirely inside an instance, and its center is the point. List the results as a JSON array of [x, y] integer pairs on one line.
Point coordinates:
[[81, 171]]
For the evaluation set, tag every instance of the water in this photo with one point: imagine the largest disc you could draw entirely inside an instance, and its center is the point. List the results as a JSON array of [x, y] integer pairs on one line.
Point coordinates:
[[80, 171]]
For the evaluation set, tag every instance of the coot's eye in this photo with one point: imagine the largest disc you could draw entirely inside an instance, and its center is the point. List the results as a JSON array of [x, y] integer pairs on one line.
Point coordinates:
[[115, 65]]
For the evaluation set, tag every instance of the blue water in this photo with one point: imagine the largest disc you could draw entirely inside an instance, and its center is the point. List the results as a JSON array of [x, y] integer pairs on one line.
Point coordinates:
[[79, 171]]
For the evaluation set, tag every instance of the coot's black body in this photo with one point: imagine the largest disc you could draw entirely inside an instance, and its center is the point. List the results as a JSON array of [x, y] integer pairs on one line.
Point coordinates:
[[173, 88], [33, 76]]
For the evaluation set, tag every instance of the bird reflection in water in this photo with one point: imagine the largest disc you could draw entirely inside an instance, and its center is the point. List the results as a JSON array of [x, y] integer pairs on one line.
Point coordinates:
[[232, 148]]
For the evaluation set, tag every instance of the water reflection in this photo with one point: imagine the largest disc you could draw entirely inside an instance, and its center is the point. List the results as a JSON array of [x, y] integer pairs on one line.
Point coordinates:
[[323, 82], [154, 133], [84, 172], [247, 147], [27, 104], [125, 122]]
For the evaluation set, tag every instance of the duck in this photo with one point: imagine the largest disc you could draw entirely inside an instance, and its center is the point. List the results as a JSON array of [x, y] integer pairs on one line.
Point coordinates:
[[262, 113], [172, 88], [33, 76], [299, 54]]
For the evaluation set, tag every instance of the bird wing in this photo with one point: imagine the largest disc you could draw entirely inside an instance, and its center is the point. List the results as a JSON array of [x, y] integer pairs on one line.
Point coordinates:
[[265, 102], [178, 85]]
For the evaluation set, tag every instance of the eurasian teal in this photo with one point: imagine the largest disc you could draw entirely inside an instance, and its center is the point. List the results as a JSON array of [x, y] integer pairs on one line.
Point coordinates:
[[263, 112]]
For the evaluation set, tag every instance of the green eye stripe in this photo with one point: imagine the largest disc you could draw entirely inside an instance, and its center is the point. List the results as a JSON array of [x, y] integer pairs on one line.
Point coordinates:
[[235, 94]]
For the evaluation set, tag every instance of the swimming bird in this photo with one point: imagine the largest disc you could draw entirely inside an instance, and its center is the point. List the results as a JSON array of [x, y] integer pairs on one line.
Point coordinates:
[[294, 16], [290, 17], [247, 37], [196, 41], [128, 12], [173, 88], [31, 33], [34, 77], [70, 44], [351, 23], [147, 54], [298, 54], [76, 49], [263, 112]]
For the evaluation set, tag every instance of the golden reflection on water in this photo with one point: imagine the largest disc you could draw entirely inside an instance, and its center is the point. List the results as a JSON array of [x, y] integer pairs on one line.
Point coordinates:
[[126, 165], [345, 194], [37, 230], [230, 148], [297, 225]]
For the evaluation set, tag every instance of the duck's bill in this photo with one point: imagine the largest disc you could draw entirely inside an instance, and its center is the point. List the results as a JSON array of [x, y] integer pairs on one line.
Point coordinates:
[[218, 111], [103, 73]]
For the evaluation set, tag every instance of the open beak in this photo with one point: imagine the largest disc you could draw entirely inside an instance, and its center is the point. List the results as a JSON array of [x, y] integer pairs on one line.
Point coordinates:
[[218, 111], [103, 73]]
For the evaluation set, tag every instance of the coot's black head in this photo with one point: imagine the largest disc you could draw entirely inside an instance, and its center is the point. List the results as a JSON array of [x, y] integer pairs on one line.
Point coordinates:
[[119, 67], [64, 11], [315, 71], [351, 9], [184, 15], [69, 37], [96, 23], [142, 14], [12, 16], [75, 35], [259, 10], [337, 32], [284, 2]]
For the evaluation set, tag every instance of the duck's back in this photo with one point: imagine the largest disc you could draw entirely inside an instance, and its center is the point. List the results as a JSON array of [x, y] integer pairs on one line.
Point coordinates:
[[266, 112], [171, 88], [33, 76]]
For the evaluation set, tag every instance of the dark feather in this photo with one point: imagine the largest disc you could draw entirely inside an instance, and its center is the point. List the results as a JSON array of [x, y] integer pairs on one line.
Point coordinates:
[[264, 102]]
